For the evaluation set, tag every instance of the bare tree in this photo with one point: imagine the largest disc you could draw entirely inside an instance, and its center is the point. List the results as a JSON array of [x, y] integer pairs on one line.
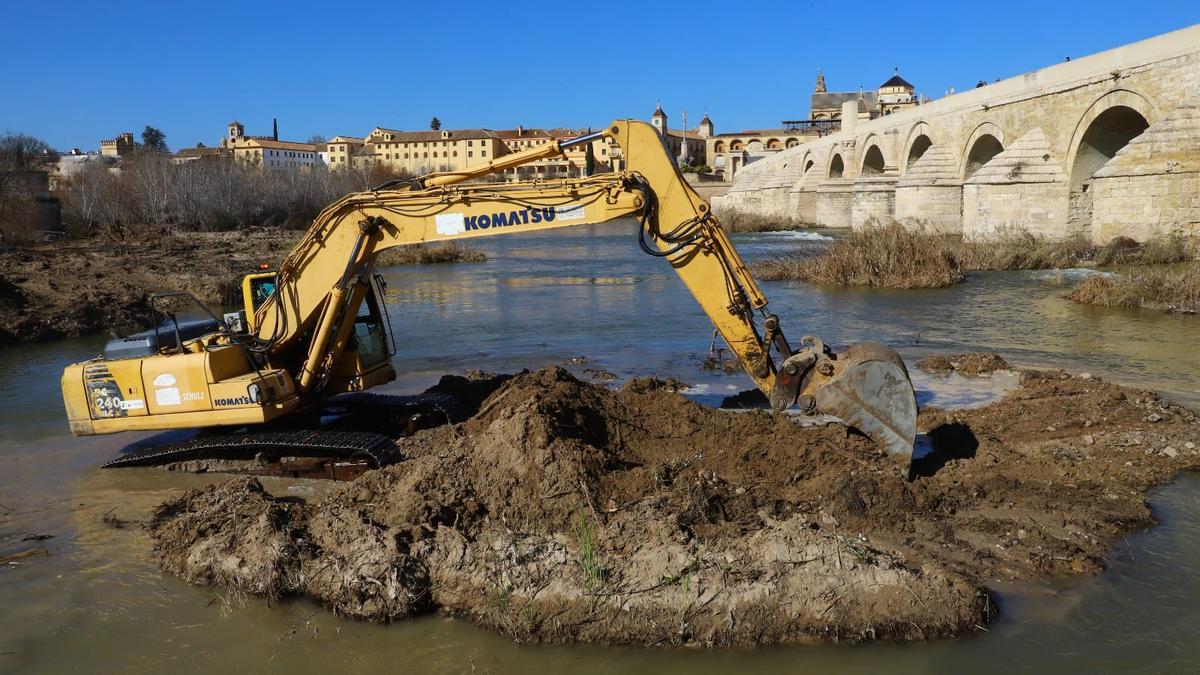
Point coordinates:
[[150, 191], [20, 156]]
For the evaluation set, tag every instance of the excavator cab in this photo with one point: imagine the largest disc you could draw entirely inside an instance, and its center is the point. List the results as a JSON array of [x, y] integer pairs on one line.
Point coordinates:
[[367, 359], [256, 288]]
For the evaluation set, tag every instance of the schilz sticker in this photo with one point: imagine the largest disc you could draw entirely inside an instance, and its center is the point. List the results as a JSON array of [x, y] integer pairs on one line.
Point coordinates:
[[571, 212], [450, 223]]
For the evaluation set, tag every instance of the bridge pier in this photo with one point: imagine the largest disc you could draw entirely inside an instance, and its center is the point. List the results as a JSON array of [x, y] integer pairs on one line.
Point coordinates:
[[1151, 187], [802, 200], [874, 200], [930, 194], [835, 202], [1022, 188]]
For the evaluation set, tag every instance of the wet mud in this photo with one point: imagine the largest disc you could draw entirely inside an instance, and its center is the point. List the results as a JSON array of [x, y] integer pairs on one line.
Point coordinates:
[[564, 511], [975, 363]]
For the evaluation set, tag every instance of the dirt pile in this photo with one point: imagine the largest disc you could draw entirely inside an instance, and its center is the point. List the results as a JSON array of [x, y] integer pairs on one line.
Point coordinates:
[[564, 511], [974, 363], [77, 288], [74, 288]]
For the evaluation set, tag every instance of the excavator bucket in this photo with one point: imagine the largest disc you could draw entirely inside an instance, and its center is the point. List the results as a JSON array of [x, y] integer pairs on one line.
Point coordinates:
[[871, 392]]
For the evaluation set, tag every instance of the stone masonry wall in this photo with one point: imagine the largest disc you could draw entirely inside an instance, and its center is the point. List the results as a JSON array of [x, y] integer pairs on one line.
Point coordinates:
[[874, 202], [937, 208], [835, 203], [1169, 203], [1035, 207]]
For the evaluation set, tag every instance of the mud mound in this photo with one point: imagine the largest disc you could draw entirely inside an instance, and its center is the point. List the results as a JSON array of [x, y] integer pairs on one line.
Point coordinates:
[[564, 511], [232, 535], [649, 385], [975, 363]]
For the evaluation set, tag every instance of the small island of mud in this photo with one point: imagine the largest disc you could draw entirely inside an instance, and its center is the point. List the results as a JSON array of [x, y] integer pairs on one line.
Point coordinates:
[[563, 511]]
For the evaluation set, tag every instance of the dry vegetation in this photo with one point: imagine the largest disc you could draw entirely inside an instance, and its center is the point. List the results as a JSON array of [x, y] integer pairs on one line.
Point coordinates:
[[891, 256], [895, 256], [1171, 289], [740, 221], [429, 254]]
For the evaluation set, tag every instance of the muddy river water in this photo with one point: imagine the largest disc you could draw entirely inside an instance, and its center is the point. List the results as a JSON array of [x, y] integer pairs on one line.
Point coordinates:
[[96, 602]]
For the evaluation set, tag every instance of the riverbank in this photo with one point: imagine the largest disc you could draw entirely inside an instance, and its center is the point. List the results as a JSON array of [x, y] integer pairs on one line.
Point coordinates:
[[80, 287], [567, 512]]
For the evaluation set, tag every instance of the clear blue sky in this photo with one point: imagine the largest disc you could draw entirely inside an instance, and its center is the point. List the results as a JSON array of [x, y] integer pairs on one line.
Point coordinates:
[[75, 72]]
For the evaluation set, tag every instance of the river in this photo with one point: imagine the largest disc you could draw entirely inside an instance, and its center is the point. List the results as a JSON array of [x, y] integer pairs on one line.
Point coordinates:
[[98, 603]]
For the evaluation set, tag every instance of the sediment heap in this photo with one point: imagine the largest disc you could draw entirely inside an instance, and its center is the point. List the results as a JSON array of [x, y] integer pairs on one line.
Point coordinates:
[[568, 512]]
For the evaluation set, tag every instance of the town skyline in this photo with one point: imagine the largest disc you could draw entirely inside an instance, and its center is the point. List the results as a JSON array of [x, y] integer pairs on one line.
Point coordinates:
[[171, 68]]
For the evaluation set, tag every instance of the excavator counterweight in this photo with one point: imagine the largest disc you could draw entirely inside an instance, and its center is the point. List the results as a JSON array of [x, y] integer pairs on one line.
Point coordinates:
[[316, 326]]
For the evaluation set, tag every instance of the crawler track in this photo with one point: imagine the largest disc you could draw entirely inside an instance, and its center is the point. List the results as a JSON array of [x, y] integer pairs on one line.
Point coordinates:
[[377, 449], [396, 415]]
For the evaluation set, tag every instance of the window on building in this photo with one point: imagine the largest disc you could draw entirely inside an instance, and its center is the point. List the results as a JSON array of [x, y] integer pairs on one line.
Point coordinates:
[[456, 153], [483, 153], [470, 153]]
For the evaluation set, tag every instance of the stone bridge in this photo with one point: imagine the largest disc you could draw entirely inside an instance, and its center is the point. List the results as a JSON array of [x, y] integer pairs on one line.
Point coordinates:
[[1101, 146]]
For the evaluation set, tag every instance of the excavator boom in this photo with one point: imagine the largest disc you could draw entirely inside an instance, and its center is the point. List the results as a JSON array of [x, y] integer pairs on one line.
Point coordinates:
[[305, 331]]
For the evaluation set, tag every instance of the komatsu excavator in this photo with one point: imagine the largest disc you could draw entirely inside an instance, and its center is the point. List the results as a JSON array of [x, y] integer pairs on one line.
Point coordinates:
[[316, 326]]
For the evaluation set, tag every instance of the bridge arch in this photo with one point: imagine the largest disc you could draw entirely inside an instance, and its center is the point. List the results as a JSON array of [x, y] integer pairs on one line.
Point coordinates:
[[735, 146], [1108, 124], [919, 140], [873, 163], [774, 144], [719, 146], [792, 142], [836, 166], [985, 142]]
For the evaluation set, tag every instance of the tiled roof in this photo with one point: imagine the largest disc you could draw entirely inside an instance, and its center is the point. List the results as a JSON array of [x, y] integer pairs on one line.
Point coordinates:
[[199, 152], [896, 81], [279, 145], [423, 136]]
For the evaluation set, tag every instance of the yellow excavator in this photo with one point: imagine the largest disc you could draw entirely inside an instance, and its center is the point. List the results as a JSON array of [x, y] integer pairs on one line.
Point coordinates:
[[316, 327]]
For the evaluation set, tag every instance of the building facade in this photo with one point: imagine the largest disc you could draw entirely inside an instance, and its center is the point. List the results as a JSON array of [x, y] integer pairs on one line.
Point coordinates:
[[340, 150], [420, 152], [892, 96], [268, 152], [686, 146], [118, 147]]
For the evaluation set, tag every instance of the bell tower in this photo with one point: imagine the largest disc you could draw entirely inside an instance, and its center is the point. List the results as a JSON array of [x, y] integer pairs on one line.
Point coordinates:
[[237, 132], [659, 120]]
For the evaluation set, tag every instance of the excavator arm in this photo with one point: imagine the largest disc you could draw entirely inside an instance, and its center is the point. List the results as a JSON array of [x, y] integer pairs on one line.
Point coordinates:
[[325, 277]]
